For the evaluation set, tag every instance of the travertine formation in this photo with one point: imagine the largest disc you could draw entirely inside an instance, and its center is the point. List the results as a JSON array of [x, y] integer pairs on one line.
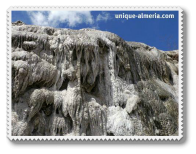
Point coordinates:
[[90, 82]]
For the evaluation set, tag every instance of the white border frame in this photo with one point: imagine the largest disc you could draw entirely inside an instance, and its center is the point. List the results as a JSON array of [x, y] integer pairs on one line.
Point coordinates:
[[121, 8]]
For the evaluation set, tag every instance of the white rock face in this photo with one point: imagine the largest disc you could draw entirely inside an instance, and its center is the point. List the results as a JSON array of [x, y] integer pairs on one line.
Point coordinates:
[[132, 103], [119, 122], [90, 82]]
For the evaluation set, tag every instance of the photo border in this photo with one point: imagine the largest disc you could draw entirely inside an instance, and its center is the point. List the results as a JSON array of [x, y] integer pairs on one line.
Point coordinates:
[[96, 8]]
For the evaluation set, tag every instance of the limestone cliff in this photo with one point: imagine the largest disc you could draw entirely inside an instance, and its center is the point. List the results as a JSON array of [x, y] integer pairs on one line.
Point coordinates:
[[90, 82]]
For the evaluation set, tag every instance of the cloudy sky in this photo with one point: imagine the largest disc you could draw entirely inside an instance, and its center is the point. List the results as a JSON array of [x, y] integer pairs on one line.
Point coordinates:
[[161, 33]]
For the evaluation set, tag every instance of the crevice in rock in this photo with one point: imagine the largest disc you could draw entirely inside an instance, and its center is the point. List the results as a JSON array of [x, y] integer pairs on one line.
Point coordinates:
[[64, 84], [110, 134], [96, 84], [88, 131], [34, 132], [123, 105], [121, 72], [47, 109], [57, 111], [74, 55], [69, 123]]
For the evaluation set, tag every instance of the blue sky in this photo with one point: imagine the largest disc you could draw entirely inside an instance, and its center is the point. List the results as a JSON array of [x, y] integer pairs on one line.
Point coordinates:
[[160, 33]]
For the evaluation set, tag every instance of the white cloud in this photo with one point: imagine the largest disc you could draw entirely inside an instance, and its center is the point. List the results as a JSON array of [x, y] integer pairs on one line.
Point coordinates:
[[38, 18], [71, 18], [54, 18], [103, 16]]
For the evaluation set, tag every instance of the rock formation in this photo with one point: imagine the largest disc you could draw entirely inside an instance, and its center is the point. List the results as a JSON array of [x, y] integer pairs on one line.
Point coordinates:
[[91, 83]]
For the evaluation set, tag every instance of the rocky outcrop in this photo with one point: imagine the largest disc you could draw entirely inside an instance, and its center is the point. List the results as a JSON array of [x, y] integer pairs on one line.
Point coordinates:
[[90, 82]]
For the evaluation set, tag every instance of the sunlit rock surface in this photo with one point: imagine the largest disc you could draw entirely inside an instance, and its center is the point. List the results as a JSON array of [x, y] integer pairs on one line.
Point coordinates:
[[91, 83]]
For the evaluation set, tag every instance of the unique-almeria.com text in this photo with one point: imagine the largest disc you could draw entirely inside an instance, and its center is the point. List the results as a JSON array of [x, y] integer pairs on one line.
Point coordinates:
[[143, 16]]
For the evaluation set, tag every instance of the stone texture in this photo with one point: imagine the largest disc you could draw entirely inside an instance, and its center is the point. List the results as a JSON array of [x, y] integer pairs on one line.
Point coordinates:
[[90, 82]]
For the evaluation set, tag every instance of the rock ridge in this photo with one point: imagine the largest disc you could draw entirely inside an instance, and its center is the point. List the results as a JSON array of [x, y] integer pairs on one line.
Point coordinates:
[[91, 83]]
